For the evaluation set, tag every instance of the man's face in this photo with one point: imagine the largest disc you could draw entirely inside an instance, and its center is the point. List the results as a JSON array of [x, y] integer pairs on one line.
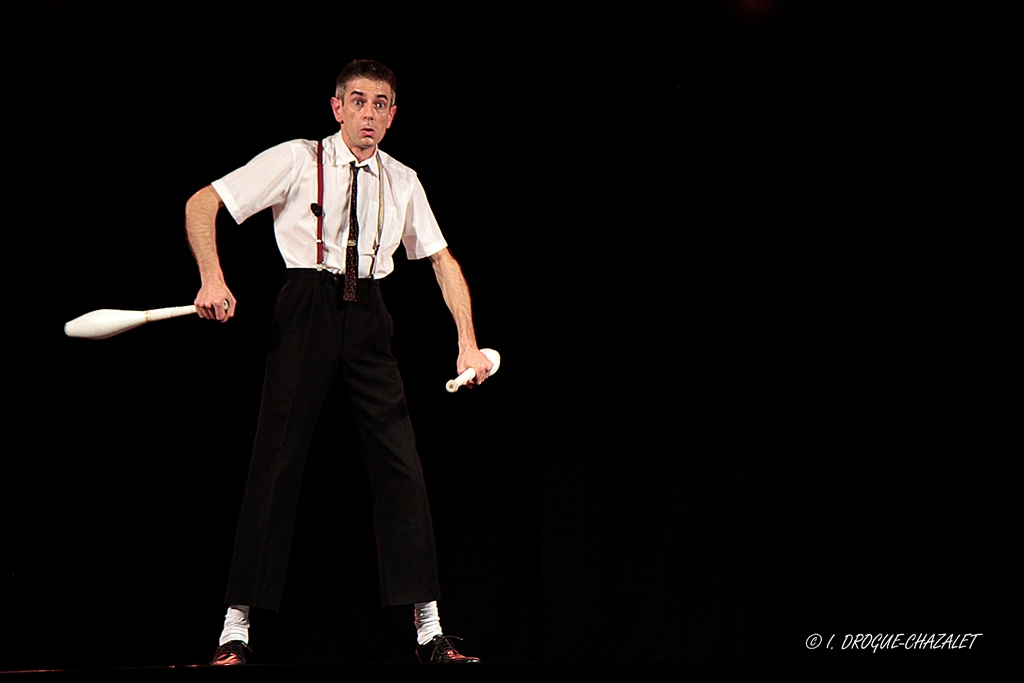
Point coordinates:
[[365, 113]]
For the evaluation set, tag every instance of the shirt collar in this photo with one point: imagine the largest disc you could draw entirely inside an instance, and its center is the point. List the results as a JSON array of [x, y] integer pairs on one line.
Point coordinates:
[[343, 155]]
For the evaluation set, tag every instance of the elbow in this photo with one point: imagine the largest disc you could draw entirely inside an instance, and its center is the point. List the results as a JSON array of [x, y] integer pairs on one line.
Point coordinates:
[[439, 257], [205, 199]]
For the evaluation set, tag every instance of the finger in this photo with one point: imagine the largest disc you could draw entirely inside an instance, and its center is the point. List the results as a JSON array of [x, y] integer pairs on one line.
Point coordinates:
[[209, 311], [482, 373], [222, 311], [487, 369]]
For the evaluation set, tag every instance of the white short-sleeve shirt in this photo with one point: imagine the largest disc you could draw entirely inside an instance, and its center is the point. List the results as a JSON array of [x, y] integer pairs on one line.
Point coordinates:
[[284, 178]]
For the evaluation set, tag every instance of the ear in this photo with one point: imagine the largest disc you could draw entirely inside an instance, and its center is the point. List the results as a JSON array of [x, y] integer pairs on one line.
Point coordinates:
[[338, 108], [391, 115]]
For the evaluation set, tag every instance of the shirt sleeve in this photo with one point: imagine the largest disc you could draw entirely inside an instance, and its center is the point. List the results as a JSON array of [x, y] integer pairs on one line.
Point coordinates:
[[261, 183], [422, 235]]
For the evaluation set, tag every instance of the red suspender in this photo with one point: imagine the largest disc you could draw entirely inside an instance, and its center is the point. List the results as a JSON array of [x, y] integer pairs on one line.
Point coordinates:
[[319, 204]]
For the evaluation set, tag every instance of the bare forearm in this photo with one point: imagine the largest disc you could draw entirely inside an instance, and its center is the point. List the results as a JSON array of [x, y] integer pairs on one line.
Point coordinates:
[[214, 301], [201, 228], [456, 296]]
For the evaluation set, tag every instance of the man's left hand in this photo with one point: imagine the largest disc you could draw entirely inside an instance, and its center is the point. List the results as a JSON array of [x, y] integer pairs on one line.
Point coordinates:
[[472, 358]]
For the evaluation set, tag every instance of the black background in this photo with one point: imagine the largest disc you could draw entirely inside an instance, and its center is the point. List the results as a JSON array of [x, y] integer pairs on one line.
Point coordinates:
[[746, 265]]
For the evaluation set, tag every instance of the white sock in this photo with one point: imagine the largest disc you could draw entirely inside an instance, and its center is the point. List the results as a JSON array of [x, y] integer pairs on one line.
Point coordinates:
[[428, 624], [236, 625]]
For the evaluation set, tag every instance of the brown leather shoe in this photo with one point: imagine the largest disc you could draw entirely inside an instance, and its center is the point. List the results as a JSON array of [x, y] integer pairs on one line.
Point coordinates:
[[231, 653], [441, 651]]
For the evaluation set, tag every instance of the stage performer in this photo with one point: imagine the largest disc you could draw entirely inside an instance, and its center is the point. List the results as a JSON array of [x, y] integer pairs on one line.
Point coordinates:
[[341, 206]]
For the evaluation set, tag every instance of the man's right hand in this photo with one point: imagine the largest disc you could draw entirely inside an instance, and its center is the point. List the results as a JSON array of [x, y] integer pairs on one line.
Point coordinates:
[[210, 302]]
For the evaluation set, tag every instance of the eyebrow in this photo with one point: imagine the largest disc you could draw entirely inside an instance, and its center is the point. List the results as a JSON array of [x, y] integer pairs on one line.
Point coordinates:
[[380, 96]]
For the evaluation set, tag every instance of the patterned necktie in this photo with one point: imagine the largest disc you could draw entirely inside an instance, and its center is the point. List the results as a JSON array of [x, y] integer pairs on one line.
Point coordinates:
[[352, 251]]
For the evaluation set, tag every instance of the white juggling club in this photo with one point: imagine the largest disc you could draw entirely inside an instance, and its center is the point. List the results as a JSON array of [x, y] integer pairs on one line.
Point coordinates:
[[108, 322]]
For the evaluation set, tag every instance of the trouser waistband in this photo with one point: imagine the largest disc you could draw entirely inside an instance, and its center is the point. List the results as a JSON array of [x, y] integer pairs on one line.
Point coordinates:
[[325, 276]]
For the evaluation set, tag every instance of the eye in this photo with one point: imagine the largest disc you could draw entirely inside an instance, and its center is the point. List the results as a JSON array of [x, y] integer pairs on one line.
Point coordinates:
[[381, 105]]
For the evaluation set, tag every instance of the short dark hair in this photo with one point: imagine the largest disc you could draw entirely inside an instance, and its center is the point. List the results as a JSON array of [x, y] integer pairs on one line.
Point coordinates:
[[365, 68]]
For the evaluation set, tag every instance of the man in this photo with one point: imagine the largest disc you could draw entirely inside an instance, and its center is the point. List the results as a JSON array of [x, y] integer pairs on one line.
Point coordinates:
[[341, 207]]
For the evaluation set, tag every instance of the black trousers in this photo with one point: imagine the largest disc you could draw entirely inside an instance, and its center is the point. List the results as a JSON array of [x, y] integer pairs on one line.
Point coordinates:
[[319, 339]]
